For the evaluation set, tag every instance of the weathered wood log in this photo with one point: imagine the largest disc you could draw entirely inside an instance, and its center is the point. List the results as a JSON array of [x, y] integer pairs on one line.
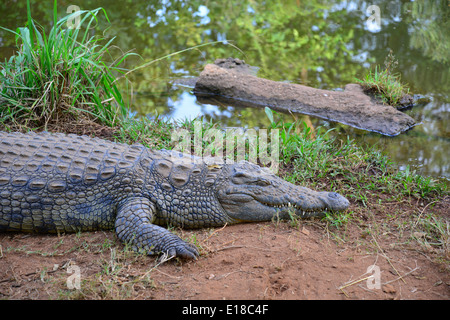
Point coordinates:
[[351, 106]]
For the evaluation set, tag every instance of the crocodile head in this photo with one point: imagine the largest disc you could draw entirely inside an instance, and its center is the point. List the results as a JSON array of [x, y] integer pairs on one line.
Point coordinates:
[[252, 193]]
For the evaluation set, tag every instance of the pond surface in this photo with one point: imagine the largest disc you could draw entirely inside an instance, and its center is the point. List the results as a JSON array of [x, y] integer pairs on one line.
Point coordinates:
[[323, 44]]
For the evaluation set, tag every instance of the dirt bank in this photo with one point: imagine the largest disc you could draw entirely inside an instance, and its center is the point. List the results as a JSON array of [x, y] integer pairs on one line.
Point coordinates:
[[274, 260]]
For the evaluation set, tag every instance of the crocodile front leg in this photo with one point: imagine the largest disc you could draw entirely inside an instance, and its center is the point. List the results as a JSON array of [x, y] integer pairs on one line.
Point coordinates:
[[134, 225]]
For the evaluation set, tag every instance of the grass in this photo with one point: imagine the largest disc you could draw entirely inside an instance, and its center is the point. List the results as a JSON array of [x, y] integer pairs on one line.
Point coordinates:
[[61, 75], [385, 84], [154, 133]]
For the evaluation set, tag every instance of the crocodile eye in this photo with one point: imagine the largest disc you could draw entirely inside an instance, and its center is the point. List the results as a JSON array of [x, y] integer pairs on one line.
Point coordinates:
[[240, 175], [243, 178], [263, 182]]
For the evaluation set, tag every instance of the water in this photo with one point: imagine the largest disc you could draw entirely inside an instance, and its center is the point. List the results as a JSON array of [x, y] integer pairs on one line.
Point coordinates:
[[323, 44]]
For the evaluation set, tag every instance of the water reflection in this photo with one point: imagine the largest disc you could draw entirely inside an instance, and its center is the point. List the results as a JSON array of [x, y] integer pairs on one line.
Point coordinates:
[[320, 43]]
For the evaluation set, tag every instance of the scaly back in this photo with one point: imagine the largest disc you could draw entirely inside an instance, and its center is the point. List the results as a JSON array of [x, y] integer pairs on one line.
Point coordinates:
[[44, 175]]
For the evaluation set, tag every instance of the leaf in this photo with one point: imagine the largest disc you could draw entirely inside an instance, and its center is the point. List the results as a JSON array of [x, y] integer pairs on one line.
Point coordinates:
[[269, 113]]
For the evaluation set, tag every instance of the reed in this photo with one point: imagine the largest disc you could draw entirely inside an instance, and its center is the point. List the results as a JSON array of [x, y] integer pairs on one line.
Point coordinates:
[[61, 74]]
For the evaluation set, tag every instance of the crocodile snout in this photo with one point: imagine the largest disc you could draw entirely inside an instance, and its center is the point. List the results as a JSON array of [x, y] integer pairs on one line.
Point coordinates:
[[334, 201]]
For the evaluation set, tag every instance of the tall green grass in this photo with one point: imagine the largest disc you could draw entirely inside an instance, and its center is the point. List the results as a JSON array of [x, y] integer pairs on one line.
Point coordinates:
[[61, 74]]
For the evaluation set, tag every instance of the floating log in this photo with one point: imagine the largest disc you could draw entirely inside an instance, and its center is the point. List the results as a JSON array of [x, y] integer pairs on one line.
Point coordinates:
[[350, 106]]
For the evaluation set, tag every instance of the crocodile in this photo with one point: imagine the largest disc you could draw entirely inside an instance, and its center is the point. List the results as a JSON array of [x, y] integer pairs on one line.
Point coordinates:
[[54, 183]]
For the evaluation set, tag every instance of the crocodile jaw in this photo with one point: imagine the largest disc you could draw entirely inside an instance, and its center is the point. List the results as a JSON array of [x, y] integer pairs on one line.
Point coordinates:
[[323, 202], [244, 207]]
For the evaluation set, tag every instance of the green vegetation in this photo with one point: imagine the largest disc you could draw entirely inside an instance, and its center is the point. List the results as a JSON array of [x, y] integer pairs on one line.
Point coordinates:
[[385, 84], [61, 75]]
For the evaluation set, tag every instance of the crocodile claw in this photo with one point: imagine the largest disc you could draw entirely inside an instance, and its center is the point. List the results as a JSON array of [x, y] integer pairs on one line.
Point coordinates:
[[183, 250]]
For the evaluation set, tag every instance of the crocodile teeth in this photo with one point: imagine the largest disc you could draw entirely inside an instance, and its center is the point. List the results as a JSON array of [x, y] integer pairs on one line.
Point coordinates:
[[290, 205]]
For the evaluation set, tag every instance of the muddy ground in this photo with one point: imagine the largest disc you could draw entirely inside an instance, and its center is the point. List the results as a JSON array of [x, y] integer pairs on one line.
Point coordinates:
[[308, 259]]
